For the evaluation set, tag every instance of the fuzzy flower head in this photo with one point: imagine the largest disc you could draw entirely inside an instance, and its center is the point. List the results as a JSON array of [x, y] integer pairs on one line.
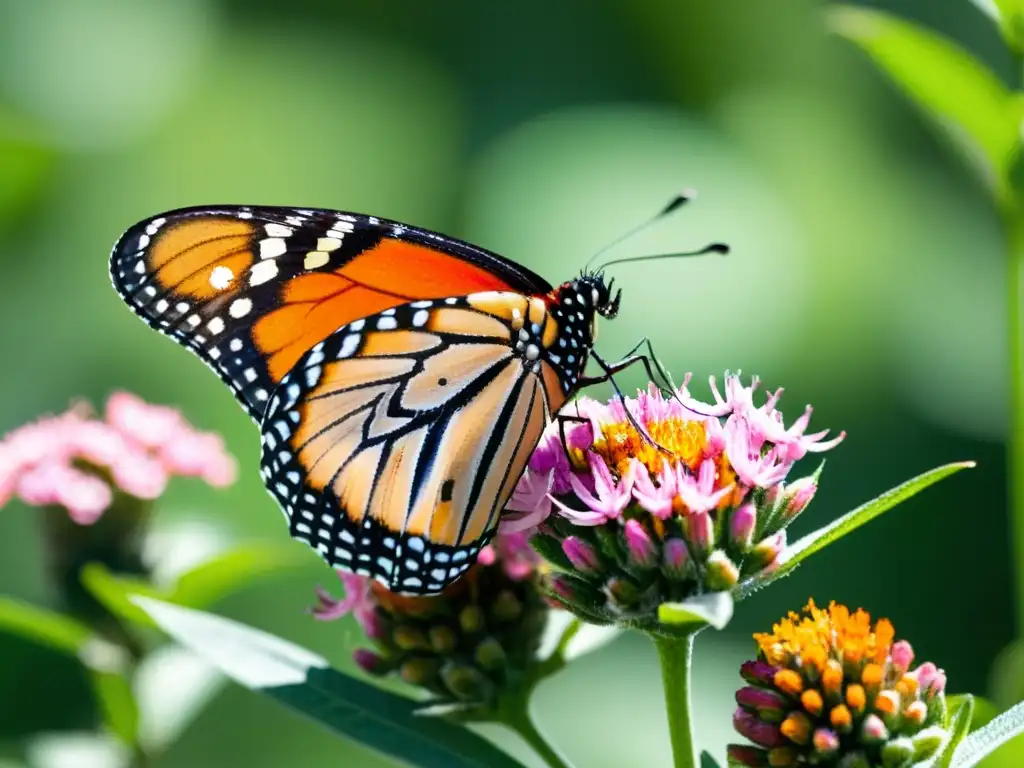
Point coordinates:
[[831, 688], [78, 462], [660, 498], [464, 646]]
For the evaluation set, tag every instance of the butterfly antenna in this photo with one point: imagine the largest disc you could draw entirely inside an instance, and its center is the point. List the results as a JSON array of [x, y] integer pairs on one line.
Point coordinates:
[[720, 248], [674, 205]]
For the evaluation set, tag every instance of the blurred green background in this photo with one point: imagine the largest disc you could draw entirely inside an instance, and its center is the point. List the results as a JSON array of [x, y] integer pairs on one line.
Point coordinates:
[[865, 278]]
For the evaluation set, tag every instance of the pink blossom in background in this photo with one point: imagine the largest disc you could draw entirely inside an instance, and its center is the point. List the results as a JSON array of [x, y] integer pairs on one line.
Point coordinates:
[[77, 461]]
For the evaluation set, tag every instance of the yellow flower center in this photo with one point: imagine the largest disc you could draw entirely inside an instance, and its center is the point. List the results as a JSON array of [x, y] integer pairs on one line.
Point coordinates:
[[620, 442], [834, 633]]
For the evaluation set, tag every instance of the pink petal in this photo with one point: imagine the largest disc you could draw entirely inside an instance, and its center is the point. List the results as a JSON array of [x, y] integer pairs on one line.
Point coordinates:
[[150, 425]]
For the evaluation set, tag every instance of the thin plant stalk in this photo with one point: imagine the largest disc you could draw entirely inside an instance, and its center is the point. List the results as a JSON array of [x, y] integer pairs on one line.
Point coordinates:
[[1013, 224], [676, 657], [518, 719]]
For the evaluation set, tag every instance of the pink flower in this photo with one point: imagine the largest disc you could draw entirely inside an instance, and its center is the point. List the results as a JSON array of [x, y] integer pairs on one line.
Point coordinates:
[[530, 504], [513, 550], [75, 461], [698, 493], [357, 599], [606, 502]]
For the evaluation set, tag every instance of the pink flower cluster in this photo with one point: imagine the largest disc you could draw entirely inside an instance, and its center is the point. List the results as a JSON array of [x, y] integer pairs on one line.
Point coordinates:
[[72, 460], [733, 438]]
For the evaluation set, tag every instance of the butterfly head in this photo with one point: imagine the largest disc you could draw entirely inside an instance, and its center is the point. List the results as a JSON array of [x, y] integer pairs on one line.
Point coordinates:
[[591, 290]]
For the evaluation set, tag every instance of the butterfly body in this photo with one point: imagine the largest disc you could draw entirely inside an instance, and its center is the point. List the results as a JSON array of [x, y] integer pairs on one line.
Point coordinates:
[[400, 378]]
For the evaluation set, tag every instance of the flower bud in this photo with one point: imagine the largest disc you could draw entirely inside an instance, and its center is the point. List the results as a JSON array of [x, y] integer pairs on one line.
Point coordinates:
[[471, 619], [765, 552], [442, 638], [700, 532], [746, 756], [898, 753], [410, 638], [770, 706], [466, 682], [902, 655], [796, 497], [581, 554], [764, 734], [369, 661], [418, 670], [489, 654], [506, 607], [722, 573], [826, 742], [873, 730], [640, 545], [758, 672], [741, 526], [675, 558]]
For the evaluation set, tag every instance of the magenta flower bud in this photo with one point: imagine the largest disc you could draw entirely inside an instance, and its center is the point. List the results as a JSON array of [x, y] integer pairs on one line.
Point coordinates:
[[675, 557], [369, 662], [580, 554], [931, 679], [767, 550], [561, 587], [746, 755], [758, 672], [741, 526], [826, 741], [770, 706], [641, 546], [797, 496], [765, 734], [874, 730], [902, 655], [700, 531]]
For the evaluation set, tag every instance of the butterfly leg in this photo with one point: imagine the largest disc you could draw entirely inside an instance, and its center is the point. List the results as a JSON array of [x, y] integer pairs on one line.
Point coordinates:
[[610, 369]]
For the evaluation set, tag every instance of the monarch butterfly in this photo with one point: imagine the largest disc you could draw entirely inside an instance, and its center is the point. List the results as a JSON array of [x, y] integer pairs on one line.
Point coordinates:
[[400, 378]]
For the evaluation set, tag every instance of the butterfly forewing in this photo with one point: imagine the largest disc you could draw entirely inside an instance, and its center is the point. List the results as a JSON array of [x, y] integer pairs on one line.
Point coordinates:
[[394, 444], [250, 290]]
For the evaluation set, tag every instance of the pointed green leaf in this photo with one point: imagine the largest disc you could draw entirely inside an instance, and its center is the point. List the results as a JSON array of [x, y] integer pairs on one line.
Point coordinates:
[[60, 632], [707, 761], [113, 592], [848, 523], [988, 738], [984, 710], [117, 703], [713, 608], [962, 96], [303, 681], [960, 724]]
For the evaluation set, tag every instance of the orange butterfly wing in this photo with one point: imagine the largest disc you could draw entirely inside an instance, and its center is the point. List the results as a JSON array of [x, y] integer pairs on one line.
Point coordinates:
[[394, 445], [252, 289]]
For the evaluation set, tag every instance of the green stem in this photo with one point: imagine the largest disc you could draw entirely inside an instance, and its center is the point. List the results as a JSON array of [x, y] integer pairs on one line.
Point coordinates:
[[676, 655], [519, 720], [1015, 437]]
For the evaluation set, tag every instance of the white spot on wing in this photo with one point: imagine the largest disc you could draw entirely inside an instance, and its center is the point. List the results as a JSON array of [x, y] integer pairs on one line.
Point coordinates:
[[221, 277], [272, 247], [263, 272], [240, 307]]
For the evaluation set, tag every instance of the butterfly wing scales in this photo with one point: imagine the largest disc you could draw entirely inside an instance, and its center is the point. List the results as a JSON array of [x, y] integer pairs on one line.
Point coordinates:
[[392, 446], [251, 289]]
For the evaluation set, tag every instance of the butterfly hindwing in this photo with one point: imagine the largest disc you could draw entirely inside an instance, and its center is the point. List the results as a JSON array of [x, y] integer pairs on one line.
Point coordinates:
[[393, 445], [250, 290]]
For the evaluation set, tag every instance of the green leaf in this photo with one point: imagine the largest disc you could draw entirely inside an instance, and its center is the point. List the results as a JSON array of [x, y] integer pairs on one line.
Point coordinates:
[[117, 703], [960, 724], [816, 541], [303, 681], [958, 92], [113, 591], [714, 608], [236, 568], [988, 738], [201, 587], [707, 761], [984, 710], [55, 630]]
